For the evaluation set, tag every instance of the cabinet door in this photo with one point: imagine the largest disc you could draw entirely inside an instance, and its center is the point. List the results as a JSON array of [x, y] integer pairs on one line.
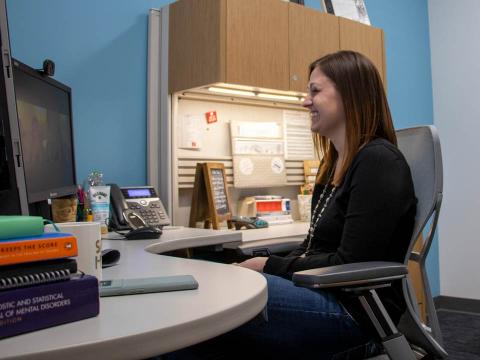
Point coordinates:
[[364, 39], [312, 34], [257, 43], [196, 43]]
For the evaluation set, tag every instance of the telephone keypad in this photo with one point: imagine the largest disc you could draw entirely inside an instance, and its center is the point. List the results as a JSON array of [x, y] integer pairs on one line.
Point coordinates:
[[151, 212]]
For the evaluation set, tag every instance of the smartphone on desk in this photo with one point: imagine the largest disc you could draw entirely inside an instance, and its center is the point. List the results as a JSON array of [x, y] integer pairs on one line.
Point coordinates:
[[147, 285]]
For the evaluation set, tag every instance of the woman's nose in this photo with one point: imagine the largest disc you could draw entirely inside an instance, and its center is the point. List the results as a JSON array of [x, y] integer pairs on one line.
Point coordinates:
[[307, 102]]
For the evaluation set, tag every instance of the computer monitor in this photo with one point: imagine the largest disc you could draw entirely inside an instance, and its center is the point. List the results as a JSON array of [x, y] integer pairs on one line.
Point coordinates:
[[44, 114]]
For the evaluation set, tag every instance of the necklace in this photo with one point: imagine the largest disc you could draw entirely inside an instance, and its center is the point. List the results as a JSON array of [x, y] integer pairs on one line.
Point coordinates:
[[318, 214]]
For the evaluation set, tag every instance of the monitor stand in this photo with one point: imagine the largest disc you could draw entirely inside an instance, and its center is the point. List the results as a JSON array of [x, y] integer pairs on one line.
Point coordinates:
[[9, 203]]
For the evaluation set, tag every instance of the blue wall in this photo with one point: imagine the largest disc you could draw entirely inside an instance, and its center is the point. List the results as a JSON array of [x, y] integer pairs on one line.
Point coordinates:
[[100, 49]]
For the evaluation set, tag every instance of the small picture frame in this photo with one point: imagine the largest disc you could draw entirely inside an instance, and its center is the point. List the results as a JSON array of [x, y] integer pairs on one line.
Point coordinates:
[[350, 9]]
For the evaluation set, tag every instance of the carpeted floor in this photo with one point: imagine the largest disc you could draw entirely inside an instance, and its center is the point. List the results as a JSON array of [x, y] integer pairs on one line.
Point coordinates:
[[461, 334]]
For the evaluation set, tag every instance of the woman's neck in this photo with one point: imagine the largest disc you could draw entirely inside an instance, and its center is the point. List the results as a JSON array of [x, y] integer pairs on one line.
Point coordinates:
[[339, 145]]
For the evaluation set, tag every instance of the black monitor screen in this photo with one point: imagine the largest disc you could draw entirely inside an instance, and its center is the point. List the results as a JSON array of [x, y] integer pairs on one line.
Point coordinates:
[[45, 121]]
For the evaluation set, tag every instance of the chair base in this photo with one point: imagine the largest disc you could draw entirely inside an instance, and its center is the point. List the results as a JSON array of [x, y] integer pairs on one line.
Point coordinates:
[[397, 348]]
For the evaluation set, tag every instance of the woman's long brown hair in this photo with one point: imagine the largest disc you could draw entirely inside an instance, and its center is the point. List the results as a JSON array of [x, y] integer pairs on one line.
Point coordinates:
[[365, 104]]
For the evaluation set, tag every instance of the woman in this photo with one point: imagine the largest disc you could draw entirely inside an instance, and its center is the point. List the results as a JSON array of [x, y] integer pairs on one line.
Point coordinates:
[[363, 209]]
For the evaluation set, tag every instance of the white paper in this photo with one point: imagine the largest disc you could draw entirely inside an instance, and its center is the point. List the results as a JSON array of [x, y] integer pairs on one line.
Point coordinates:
[[190, 132], [246, 166], [298, 136], [255, 147], [351, 9], [257, 129]]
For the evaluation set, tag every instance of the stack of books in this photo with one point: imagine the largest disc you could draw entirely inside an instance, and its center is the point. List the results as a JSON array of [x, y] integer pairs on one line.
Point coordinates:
[[275, 210], [39, 284]]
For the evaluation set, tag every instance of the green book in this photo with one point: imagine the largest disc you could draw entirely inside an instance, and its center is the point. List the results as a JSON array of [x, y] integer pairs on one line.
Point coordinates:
[[14, 226]]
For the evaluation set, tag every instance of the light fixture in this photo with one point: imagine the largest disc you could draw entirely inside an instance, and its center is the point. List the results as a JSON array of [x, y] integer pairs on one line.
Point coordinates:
[[277, 97], [231, 91]]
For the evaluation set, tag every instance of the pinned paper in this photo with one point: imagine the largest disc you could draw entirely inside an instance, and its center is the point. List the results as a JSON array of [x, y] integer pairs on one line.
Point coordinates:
[[298, 136], [190, 131], [277, 165], [246, 166], [211, 117]]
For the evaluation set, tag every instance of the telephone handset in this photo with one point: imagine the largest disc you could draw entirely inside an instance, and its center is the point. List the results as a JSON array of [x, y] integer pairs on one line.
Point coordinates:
[[136, 207]]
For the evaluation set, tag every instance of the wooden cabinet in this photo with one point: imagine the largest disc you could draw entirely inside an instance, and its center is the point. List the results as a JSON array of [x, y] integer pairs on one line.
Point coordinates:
[[229, 41], [258, 43], [364, 39], [312, 34], [196, 53]]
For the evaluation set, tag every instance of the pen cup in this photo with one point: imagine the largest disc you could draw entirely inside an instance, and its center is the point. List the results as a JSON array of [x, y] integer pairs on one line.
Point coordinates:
[[64, 209]]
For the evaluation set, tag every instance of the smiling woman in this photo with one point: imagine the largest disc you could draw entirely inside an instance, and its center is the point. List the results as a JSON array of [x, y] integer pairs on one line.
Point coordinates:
[[363, 209]]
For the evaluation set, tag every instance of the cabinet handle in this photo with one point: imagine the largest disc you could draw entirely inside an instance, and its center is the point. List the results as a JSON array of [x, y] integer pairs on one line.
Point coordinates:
[[294, 77]]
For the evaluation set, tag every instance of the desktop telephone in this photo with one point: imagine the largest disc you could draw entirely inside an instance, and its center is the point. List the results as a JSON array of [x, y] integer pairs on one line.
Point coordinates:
[[136, 207], [248, 222]]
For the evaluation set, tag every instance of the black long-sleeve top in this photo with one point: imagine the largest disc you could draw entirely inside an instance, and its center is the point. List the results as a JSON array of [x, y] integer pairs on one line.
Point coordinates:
[[369, 218]]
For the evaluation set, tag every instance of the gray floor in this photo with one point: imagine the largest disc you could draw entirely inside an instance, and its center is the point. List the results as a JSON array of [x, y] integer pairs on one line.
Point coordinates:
[[461, 334]]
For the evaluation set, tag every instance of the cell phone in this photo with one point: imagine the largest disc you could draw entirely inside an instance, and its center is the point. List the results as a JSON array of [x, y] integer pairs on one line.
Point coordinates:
[[147, 285]]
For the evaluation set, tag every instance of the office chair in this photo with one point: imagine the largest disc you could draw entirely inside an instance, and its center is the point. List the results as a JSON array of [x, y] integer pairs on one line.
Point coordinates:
[[413, 339]]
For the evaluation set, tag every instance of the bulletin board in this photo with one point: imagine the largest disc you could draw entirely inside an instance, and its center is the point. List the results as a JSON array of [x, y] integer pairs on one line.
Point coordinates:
[[215, 146], [215, 140]]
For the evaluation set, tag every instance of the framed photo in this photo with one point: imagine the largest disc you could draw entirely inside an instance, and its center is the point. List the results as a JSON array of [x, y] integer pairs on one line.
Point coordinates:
[[350, 9]]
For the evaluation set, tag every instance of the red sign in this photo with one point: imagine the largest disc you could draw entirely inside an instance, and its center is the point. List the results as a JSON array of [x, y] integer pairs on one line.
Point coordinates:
[[211, 117]]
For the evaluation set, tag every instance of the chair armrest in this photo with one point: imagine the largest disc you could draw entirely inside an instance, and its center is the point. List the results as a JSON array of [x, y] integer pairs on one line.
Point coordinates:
[[354, 274]]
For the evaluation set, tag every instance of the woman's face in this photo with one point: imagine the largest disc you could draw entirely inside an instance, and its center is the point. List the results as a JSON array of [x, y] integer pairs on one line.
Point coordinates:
[[325, 105]]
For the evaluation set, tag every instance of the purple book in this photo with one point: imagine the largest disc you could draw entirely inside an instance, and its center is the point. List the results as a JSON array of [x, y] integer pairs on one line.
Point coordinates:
[[38, 307]]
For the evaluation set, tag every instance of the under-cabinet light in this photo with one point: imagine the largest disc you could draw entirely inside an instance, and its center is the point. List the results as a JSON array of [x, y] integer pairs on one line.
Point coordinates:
[[231, 91], [277, 97]]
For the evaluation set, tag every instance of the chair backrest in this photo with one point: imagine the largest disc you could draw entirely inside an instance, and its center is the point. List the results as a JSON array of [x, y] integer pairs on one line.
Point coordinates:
[[421, 148]]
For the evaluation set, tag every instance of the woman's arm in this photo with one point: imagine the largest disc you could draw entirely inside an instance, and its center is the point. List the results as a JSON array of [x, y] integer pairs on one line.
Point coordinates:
[[300, 249]]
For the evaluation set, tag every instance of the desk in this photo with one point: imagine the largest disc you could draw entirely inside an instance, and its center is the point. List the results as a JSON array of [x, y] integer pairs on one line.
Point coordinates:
[[179, 237], [139, 326], [277, 238]]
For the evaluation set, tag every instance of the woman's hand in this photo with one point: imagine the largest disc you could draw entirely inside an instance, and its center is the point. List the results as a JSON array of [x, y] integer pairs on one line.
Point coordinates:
[[256, 263]]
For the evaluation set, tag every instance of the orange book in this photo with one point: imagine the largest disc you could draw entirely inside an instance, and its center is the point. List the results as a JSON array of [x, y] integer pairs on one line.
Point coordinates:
[[36, 248]]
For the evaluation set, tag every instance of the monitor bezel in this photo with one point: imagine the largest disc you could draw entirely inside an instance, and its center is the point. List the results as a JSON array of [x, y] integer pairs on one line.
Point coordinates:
[[13, 200], [65, 190]]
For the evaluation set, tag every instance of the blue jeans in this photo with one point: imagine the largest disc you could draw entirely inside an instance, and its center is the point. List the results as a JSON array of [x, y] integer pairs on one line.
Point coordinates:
[[298, 323]]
